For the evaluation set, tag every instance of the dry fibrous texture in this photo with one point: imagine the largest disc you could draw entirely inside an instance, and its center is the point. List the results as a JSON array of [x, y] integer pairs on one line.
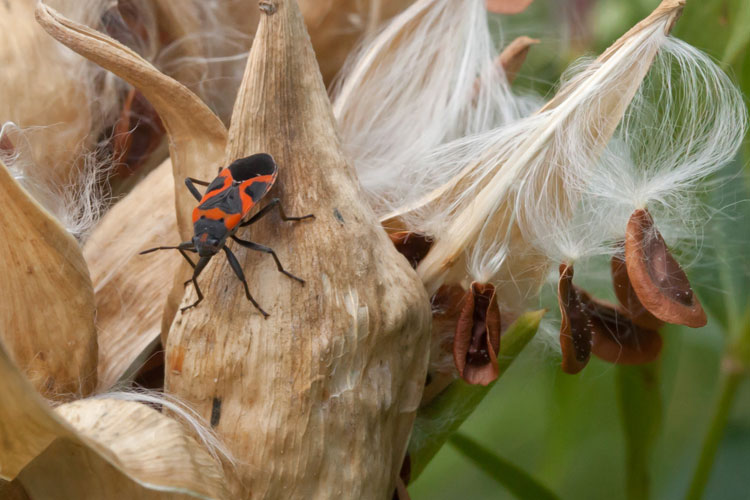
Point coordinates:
[[392, 124], [131, 289], [97, 448], [350, 345], [46, 300]]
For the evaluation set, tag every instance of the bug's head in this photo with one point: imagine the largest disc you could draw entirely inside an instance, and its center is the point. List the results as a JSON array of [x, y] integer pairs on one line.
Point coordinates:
[[210, 236]]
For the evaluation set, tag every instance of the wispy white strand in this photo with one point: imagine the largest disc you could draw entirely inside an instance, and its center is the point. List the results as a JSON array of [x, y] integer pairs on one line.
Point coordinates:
[[428, 78], [184, 413], [77, 203], [685, 123]]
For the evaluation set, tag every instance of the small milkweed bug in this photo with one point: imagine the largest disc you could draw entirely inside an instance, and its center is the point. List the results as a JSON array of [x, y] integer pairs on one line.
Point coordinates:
[[218, 216]]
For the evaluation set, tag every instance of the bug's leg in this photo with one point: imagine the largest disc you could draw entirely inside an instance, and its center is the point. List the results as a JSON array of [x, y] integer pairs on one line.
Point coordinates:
[[185, 245], [273, 204], [238, 271], [190, 183], [196, 272], [265, 249]]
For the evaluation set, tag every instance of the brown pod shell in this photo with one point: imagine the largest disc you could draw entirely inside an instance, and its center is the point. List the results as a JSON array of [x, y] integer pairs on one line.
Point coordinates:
[[618, 339], [576, 328], [477, 339], [628, 299], [658, 280]]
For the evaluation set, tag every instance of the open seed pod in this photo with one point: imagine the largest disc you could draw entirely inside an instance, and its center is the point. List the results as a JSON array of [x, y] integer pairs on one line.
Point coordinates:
[[352, 339], [628, 298], [131, 289], [477, 340], [618, 339], [591, 325], [96, 448], [514, 55], [577, 328], [658, 280], [46, 299]]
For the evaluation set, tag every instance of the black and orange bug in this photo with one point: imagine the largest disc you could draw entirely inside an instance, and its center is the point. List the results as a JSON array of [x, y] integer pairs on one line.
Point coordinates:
[[218, 216]]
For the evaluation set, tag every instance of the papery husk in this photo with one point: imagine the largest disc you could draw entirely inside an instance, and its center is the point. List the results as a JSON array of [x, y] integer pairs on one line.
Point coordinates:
[[46, 298], [40, 88], [197, 137], [131, 289], [97, 448], [351, 341], [464, 229]]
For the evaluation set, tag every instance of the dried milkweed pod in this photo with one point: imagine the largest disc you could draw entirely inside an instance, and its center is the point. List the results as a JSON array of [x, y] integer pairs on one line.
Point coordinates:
[[477, 341], [658, 280], [577, 327]]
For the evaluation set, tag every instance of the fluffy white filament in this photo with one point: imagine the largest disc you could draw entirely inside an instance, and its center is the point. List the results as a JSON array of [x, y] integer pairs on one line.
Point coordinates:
[[183, 413], [428, 78]]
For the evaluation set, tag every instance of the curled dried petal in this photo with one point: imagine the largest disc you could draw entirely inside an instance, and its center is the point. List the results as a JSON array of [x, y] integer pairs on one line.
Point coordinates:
[[477, 339], [514, 55], [658, 280]]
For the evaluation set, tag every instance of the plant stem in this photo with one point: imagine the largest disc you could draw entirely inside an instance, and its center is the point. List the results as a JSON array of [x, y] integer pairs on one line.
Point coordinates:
[[730, 384]]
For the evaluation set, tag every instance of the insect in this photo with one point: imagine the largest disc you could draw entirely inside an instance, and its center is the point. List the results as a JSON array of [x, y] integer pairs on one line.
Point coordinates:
[[218, 216]]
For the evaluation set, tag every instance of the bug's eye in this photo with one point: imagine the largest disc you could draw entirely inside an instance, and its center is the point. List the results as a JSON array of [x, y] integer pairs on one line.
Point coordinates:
[[221, 220]]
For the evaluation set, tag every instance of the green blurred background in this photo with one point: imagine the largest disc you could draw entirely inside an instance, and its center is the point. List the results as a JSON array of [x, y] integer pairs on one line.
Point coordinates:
[[567, 431]]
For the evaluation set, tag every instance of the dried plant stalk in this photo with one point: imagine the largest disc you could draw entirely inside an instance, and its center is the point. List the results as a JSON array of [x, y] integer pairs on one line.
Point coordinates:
[[46, 299], [350, 346], [131, 289]]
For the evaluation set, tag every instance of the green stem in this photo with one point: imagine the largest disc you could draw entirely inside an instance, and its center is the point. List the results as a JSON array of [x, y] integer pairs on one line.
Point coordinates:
[[712, 440]]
